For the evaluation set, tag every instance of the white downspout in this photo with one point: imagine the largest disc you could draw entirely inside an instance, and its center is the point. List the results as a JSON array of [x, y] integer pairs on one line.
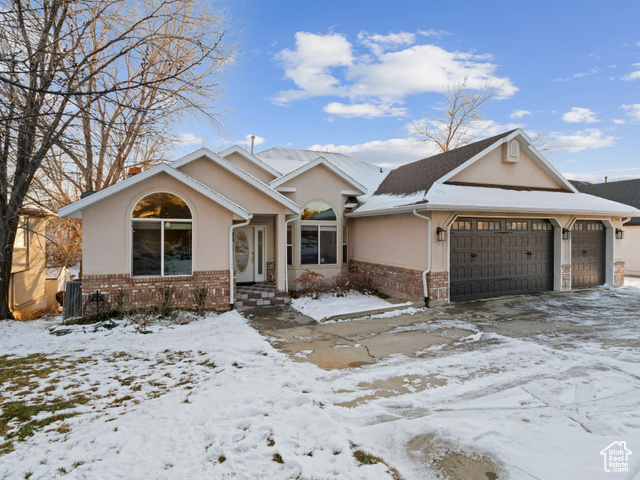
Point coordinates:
[[286, 267], [231, 272], [424, 274]]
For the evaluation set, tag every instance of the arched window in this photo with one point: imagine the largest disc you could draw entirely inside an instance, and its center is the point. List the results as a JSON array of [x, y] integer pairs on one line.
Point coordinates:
[[162, 236], [318, 235]]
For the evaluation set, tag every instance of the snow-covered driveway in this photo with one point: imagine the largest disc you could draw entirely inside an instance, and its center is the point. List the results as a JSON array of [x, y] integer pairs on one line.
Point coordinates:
[[530, 388]]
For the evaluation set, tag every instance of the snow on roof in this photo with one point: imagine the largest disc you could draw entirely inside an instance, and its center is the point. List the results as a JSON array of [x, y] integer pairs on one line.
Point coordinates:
[[456, 197], [286, 160]]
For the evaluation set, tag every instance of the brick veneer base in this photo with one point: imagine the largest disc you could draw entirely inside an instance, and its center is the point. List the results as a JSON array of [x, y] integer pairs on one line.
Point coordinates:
[[618, 274], [438, 287], [396, 281], [144, 292], [566, 277]]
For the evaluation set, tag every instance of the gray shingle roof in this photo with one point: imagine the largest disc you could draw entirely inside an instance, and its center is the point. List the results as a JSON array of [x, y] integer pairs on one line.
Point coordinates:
[[421, 175], [624, 191]]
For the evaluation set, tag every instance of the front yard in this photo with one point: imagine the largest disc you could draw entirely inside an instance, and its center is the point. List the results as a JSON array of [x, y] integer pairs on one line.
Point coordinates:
[[534, 392]]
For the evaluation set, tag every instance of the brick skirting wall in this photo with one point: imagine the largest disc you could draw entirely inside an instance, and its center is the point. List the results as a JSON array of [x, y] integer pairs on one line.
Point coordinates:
[[271, 271], [566, 277], [396, 281], [145, 292], [438, 287], [618, 274]]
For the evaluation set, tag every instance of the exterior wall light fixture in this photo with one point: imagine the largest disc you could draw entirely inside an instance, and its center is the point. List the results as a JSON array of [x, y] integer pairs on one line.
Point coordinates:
[[619, 233], [566, 234], [441, 234]]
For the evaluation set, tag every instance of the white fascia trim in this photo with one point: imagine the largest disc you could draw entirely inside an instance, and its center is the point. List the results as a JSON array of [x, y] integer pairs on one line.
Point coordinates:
[[252, 158], [481, 209], [250, 179], [74, 210], [286, 190], [319, 161], [537, 158]]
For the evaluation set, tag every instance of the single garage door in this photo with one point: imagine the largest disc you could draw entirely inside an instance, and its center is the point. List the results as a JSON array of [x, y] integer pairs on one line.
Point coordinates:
[[588, 239], [494, 257]]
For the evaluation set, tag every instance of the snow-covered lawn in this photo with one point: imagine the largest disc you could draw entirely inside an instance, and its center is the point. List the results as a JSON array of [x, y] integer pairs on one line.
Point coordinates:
[[213, 399], [329, 305]]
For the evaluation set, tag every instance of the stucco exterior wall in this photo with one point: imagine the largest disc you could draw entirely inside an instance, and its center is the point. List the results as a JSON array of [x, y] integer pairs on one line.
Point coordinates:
[[491, 170], [27, 288], [232, 187], [394, 240], [106, 245], [250, 167], [631, 250]]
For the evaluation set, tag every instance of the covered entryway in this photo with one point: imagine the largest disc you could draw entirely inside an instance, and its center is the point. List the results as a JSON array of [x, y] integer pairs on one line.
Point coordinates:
[[493, 257], [588, 254]]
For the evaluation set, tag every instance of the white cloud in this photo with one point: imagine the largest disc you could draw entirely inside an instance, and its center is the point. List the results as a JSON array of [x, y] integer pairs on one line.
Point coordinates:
[[632, 110], [519, 113], [633, 75], [583, 140], [309, 65], [619, 121], [580, 115], [330, 65], [433, 33], [189, 139], [379, 43], [366, 110], [593, 71]]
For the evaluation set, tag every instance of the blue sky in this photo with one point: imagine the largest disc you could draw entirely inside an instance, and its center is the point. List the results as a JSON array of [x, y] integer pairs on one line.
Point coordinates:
[[352, 76]]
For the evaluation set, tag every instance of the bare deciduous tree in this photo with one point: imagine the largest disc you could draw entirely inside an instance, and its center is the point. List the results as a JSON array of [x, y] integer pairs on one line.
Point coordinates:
[[76, 72], [455, 126]]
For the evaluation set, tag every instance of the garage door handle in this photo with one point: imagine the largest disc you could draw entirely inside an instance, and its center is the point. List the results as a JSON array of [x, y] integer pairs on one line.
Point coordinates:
[[585, 252], [529, 253], [473, 255]]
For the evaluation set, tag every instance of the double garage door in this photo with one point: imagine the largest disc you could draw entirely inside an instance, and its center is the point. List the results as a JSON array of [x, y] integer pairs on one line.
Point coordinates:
[[495, 257]]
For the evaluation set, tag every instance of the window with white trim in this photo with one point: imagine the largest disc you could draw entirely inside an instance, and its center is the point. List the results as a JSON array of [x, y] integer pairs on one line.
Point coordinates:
[[289, 245], [318, 235], [345, 244], [161, 236]]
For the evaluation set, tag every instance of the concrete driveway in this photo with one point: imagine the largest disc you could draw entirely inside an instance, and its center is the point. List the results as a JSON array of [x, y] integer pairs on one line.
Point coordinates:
[[524, 387], [353, 343]]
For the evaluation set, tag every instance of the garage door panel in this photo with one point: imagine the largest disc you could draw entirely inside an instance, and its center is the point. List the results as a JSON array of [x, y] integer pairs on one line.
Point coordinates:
[[588, 257], [503, 261]]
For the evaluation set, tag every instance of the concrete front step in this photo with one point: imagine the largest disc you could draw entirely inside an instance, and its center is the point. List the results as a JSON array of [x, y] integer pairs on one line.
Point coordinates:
[[262, 302]]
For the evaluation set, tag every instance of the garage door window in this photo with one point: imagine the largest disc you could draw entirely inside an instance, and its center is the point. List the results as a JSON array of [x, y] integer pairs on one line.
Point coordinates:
[[461, 225], [482, 225], [517, 226]]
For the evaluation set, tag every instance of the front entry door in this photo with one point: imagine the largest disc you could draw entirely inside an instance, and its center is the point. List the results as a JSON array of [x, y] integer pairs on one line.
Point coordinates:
[[244, 255], [249, 254]]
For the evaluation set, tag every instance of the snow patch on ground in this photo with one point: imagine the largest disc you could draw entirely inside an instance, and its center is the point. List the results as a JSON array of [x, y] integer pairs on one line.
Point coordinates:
[[328, 305]]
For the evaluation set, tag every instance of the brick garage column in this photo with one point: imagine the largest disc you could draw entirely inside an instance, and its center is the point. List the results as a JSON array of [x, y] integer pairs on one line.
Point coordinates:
[[618, 274], [438, 287], [566, 277]]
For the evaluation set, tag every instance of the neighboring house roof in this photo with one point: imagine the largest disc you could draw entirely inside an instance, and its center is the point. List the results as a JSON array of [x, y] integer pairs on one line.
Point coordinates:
[[252, 158], [74, 210], [52, 273], [360, 189], [250, 179], [422, 174], [623, 191], [286, 160]]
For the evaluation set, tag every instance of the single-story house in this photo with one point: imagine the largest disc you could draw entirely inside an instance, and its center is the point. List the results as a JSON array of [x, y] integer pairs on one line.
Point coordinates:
[[624, 191], [27, 283], [488, 219]]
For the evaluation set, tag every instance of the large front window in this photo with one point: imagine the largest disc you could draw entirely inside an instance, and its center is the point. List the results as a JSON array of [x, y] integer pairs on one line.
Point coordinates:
[[161, 236], [318, 235]]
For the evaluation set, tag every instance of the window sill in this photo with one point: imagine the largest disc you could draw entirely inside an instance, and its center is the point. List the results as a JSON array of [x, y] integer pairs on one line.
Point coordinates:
[[162, 276]]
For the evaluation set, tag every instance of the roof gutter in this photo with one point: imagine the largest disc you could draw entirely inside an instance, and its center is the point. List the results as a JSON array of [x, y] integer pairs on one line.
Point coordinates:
[[231, 272], [428, 269]]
